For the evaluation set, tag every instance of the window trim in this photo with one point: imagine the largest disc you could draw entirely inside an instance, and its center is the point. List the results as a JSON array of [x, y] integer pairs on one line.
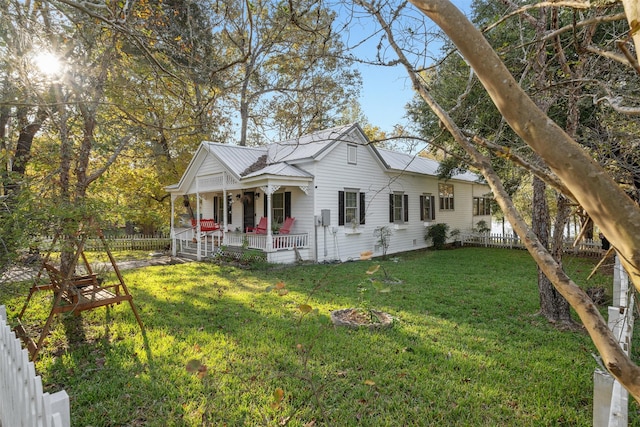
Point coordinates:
[[446, 203], [486, 205], [427, 200], [279, 208], [360, 206], [286, 202], [352, 154], [218, 208], [404, 209]]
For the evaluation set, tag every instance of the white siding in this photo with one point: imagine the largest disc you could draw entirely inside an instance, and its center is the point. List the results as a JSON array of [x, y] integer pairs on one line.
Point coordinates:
[[206, 205], [460, 217], [334, 174], [209, 166]]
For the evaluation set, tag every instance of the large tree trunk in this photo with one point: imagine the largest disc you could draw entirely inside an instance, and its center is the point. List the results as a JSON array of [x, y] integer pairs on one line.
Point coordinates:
[[561, 305], [553, 306], [540, 226], [22, 154]]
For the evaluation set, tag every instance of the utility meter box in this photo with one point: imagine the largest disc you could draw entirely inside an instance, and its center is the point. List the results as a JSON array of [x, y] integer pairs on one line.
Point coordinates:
[[325, 217]]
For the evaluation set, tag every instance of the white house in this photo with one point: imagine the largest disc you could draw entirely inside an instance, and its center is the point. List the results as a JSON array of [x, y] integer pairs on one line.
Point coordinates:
[[337, 186]]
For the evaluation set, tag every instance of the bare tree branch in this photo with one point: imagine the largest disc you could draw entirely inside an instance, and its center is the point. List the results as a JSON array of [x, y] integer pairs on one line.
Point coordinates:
[[610, 208], [505, 152], [523, 9]]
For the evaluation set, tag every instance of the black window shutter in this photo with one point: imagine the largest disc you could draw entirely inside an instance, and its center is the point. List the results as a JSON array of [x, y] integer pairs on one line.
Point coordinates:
[[215, 209], [422, 208], [362, 209], [229, 215], [390, 207], [406, 208], [287, 204], [433, 208], [264, 205], [340, 207]]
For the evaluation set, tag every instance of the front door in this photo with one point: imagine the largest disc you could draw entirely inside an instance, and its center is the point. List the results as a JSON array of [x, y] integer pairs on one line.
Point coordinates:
[[249, 210]]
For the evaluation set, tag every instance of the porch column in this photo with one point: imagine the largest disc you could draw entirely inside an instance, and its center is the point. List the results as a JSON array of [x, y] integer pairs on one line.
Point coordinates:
[[172, 227], [268, 191], [198, 239], [225, 209], [225, 205], [269, 235]]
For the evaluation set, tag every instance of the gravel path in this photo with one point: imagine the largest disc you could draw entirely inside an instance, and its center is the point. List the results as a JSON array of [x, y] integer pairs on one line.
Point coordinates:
[[19, 273]]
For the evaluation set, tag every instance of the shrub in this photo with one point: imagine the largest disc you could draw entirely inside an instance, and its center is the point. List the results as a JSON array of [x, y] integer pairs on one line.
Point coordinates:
[[482, 227], [438, 235]]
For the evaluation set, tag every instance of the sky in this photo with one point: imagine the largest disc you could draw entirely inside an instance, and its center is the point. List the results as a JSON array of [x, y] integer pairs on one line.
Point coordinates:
[[387, 90]]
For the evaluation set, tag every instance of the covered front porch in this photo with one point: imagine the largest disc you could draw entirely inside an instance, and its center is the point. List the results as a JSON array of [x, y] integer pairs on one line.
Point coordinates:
[[218, 209]]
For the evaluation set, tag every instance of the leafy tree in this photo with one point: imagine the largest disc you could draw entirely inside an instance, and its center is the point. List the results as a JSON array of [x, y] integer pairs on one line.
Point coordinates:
[[558, 71], [289, 76], [610, 208]]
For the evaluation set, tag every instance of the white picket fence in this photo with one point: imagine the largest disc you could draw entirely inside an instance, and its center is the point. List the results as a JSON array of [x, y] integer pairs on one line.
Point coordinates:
[[512, 241], [135, 242], [610, 399], [22, 401]]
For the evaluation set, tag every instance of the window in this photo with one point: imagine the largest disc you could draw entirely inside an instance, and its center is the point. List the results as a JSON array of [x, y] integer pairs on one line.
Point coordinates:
[[352, 154], [218, 209], [277, 208], [427, 207], [446, 197], [398, 208], [351, 207], [280, 207], [481, 206]]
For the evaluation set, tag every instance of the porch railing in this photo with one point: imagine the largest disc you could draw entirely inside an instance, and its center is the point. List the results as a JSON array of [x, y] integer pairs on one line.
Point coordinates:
[[187, 241], [259, 241]]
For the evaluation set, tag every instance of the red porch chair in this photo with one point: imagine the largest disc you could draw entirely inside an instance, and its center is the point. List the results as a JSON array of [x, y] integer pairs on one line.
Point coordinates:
[[286, 226], [261, 228], [206, 225]]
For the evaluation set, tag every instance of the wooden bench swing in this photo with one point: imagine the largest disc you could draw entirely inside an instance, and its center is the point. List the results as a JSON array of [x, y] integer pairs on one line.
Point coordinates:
[[74, 293]]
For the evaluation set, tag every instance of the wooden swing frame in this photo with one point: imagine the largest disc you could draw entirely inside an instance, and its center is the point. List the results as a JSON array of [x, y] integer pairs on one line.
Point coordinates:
[[73, 293]]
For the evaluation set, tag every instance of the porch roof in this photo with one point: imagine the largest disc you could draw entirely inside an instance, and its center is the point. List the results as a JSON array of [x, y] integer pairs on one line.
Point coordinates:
[[282, 170]]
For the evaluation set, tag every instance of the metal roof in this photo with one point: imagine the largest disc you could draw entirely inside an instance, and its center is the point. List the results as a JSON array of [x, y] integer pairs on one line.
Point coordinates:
[[280, 169], [420, 165], [279, 159], [307, 146], [238, 159]]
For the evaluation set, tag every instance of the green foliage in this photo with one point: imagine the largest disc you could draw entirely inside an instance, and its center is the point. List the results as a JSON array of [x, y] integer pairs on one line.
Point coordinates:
[[466, 350], [437, 233], [482, 227]]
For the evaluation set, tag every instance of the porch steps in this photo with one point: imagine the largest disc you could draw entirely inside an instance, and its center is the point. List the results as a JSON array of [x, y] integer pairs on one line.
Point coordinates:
[[191, 252]]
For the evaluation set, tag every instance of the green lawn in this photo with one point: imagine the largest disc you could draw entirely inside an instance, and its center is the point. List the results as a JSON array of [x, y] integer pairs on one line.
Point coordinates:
[[467, 348]]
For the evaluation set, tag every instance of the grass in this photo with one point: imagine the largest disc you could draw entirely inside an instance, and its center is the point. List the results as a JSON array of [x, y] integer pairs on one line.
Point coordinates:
[[466, 348]]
